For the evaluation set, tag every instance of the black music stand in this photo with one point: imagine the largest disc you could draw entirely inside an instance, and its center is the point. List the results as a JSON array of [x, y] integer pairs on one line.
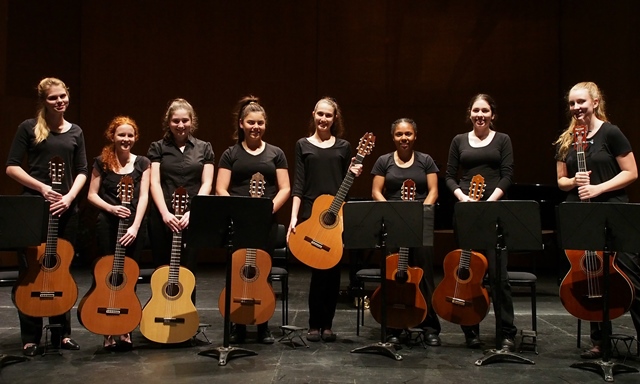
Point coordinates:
[[607, 227], [23, 223], [500, 225], [230, 222], [382, 224]]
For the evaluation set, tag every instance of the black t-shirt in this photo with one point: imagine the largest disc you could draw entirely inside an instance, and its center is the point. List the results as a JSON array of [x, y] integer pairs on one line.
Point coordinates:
[[244, 165], [600, 155], [394, 176], [180, 169], [68, 145], [109, 181]]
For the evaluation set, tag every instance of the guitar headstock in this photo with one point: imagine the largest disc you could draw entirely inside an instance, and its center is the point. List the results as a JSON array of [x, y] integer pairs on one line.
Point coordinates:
[[408, 190], [125, 189], [257, 185], [179, 201], [580, 137], [366, 144], [56, 169], [476, 187]]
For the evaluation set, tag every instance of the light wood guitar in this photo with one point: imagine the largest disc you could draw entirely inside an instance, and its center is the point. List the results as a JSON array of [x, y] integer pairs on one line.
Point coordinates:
[[47, 288], [405, 304], [581, 290], [111, 307], [252, 297], [461, 298], [170, 316], [317, 242]]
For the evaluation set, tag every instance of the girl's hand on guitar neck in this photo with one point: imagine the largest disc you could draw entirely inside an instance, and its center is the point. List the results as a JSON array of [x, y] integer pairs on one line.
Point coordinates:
[[61, 205], [356, 169], [582, 178]]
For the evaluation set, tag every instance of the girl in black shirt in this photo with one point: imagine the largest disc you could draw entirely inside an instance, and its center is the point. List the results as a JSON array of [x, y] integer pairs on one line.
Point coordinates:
[[40, 139]]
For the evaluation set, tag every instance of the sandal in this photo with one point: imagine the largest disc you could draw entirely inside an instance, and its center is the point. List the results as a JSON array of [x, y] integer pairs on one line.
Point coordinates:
[[593, 353], [125, 343], [328, 335], [313, 335], [109, 344]]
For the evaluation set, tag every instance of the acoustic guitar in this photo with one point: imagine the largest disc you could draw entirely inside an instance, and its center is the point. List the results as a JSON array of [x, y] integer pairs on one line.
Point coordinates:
[[170, 316], [317, 242], [111, 306], [47, 288], [252, 297], [405, 304], [460, 298], [581, 290]]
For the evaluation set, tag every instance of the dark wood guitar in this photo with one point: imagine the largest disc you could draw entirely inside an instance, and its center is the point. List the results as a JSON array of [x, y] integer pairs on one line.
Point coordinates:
[[460, 297], [252, 297], [170, 316], [111, 307], [405, 304], [47, 288], [317, 241], [581, 290]]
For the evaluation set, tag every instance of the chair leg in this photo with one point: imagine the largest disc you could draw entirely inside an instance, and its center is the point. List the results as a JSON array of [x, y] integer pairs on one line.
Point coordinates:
[[579, 332]]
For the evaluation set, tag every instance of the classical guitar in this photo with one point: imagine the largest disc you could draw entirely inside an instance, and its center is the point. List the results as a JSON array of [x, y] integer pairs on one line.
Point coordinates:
[[317, 241], [111, 307], [460, 297], [252, 298], [581, 290], [170, 316], [405, 304], [47, 288]]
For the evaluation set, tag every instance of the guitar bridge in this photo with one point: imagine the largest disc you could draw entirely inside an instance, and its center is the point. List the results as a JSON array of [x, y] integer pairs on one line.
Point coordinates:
[[169, 320], [46, 295], [113, 311], [247, 301], [317, 244], [457, 301]]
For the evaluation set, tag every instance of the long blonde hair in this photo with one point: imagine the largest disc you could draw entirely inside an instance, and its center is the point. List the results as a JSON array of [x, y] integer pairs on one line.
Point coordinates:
[[566, 138], [41, 130]]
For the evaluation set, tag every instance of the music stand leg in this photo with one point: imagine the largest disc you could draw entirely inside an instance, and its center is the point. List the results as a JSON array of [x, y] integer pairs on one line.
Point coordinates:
[[10, 359], [606, 368], [386, 349], [496, 355]]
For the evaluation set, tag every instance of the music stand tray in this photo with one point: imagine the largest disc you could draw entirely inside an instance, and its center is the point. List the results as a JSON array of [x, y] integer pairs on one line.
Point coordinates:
[[23, 223], [500, 225], [378, 224], [607, 227], [230, 222]]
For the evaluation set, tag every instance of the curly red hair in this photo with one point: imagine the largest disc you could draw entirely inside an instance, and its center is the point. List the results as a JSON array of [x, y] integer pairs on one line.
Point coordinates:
[[109, 159]]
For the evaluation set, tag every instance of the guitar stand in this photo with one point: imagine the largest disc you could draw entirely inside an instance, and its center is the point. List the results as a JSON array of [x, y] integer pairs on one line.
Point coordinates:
[[290, 333], [481, 225], [611, 224], [214, 222], [405, 219]]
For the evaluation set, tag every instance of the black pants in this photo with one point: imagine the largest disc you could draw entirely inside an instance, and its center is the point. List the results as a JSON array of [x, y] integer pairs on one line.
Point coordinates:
[[506, 301], [629, 264], [107, 232], [31, 327], [323, 297]]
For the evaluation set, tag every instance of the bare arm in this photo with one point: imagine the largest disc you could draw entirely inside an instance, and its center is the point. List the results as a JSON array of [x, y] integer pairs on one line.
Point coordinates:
[[432, 185], [284, 189], [223, 181], [377, 187]]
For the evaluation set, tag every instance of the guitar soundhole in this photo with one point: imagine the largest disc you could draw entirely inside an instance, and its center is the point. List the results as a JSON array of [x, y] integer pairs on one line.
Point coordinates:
[[249, 273], [463, 274], [172, 289], [591, 264], [328, 219], [50, 262], [402, 277], [115, 281]]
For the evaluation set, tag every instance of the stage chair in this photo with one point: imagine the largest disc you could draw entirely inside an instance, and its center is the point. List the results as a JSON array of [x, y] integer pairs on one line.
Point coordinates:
[[280, 269], [367, 275]]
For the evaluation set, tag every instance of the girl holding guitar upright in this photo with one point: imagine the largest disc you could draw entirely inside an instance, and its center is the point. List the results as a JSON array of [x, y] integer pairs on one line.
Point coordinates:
[[177, 160], [488, 153], [322, 161], [389, 172], [116, 161], [238, 165], [47, 136], [611, 166]]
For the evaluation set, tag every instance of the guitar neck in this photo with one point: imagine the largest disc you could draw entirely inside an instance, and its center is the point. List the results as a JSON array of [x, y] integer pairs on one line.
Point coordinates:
[[403, 259], [465, 259], [582, 163], [118, 260], [52, 229], [174, 265], [344, 188]]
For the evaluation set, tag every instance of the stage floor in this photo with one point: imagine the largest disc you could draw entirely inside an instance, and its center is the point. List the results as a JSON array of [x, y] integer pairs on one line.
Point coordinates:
[[321, 362]]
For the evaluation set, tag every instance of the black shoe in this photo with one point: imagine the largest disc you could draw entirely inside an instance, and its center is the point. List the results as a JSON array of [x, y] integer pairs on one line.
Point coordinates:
[[238, 334], [432, 340], [30, 350], [473, 342], [70, 344], [265, 337], [508, 345], [393, 339]]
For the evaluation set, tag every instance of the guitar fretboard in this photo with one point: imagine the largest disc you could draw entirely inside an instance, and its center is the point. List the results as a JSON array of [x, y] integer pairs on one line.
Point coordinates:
[[344, 188]]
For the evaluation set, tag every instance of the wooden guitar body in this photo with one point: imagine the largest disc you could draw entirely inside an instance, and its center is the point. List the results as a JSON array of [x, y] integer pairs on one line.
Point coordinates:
[[46, 288], [581, 290], [460, 297], [111, 307], [170, 316], [252, 297], [406, 306], [317, 241]]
